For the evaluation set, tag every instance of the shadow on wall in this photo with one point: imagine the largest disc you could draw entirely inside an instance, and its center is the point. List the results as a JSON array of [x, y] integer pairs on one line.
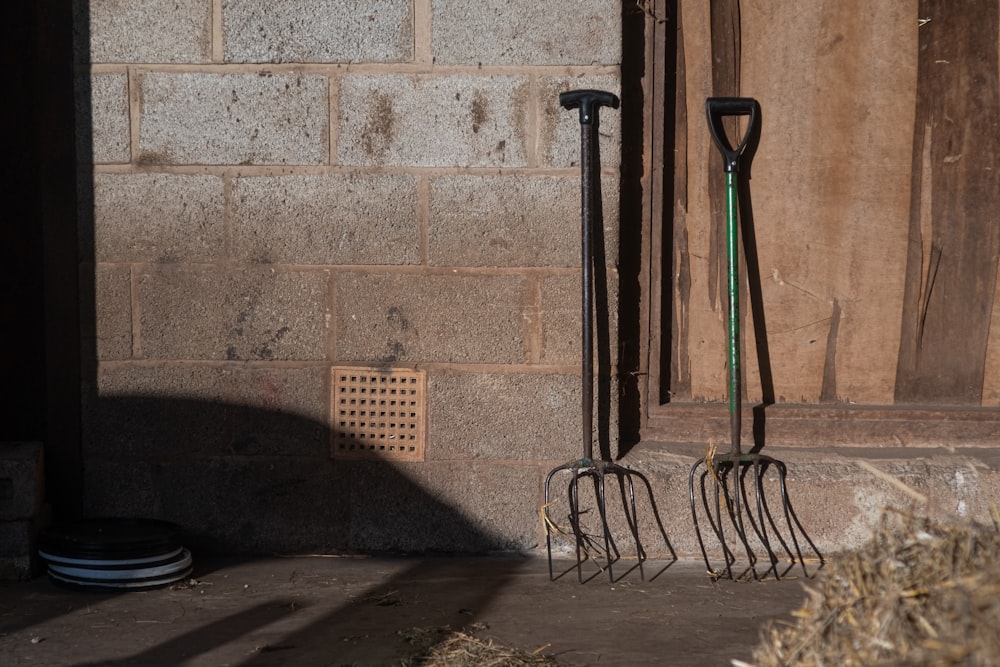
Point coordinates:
[[247, 480]]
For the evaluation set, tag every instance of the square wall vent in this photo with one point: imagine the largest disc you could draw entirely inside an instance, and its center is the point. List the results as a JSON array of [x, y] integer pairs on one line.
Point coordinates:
[[378, 413]]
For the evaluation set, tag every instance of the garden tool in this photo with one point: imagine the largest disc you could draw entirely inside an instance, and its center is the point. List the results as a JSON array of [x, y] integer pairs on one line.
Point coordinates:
[[592, 535], [731, 485]]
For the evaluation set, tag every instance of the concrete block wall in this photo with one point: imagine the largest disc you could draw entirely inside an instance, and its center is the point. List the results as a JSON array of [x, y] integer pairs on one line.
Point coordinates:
[[274, 188], [23, 512]]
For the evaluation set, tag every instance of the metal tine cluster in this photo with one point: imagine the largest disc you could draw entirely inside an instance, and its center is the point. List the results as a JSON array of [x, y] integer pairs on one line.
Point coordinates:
[[602, 545], [732, 504]]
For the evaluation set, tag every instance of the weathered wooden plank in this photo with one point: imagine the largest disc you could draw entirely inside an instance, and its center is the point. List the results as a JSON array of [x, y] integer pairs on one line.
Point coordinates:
[[954, 230], [705, 348], [725, 45], [830, 190], [818, 426], [678, 269], [991, 379]]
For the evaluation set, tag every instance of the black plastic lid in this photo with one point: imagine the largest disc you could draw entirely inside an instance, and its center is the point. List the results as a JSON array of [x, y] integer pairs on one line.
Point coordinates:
[[110, 539]]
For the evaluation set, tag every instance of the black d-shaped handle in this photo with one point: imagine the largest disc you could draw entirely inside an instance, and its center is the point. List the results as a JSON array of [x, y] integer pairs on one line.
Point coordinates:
[[588, 101], [718, 108]]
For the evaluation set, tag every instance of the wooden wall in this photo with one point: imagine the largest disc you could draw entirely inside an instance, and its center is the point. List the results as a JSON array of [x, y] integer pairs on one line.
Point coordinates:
[[872, 205]]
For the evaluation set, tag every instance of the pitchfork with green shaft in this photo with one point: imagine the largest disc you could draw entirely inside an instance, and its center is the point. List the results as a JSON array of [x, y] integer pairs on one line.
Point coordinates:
[[718, 483]]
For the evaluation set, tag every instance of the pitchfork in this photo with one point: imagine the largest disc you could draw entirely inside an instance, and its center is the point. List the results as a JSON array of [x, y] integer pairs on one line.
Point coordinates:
[[751, 519], [601, 544]]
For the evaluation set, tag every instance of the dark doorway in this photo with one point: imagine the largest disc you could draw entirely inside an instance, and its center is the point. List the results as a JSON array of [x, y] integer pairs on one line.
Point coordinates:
[[39, 297]]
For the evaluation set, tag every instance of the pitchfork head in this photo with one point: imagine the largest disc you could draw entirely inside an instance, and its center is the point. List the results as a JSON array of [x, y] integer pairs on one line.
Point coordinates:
[[588, 526], [731, 491]]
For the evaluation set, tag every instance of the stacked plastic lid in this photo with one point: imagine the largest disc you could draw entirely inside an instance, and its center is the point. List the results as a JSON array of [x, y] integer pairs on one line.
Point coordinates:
[[133, 554]]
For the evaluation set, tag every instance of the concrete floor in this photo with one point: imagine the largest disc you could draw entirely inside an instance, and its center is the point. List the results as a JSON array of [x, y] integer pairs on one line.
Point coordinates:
[[361, 610]]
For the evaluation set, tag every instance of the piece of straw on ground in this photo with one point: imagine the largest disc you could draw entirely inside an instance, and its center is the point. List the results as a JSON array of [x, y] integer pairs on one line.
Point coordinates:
[[461, 648]]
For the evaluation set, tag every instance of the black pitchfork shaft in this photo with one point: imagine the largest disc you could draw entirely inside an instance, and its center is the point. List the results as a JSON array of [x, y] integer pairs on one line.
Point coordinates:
[[589, 102]]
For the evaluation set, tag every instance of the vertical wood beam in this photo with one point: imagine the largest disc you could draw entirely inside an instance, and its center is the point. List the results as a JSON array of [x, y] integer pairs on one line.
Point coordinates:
[[954, 238]]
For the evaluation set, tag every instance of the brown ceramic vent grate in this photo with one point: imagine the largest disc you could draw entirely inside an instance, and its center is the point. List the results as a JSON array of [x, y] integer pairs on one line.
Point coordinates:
[[378, 413]]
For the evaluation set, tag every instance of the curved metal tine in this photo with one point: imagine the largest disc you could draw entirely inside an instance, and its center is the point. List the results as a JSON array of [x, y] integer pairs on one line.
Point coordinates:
[[659, 522], [611, 553], [759, 525], [550, 525], [713, 519], [631, 515], [574, 521], [735, 510], [765, 511], [790, 512], [586, 543], [719, 488], [694, 509]]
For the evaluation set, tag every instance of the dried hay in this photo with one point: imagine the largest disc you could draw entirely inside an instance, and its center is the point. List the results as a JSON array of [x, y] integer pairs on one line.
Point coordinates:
[[444, 647], [919, 593]]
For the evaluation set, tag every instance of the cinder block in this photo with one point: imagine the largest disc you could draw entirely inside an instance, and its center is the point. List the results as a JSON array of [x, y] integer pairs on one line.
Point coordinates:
[[561, 324], [120, 488], [559, 318], [150, 31], [559, 129], [112, 312], [162, 412], [257, 505], [497, 32], [230, 119], [353, 219], [239, 315], [22, 480], [486, 416], [317, 31], [20, 567], [18, 539], [19, 560], [107, 140], [158, 218], [280, 412], [450, 506], [419, 318], [511, 220], [433, 121], [179, 412]]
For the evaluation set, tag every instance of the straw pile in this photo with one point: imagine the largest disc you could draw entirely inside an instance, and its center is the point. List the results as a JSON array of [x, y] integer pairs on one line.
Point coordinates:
[[919, 593], [443, 647]]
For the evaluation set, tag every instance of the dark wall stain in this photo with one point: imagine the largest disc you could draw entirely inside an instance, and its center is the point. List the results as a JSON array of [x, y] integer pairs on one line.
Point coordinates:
[[398, 325], [265, 351], [479, 110], [828, 390], [397, 318], [379, 130]]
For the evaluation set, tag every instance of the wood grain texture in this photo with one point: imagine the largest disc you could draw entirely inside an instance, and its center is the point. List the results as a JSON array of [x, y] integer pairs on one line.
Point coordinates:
[[954, 231], [829, 191]]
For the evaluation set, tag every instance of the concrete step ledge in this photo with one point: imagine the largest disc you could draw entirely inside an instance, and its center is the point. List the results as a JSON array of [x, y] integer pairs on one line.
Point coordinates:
[[837, 494]]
